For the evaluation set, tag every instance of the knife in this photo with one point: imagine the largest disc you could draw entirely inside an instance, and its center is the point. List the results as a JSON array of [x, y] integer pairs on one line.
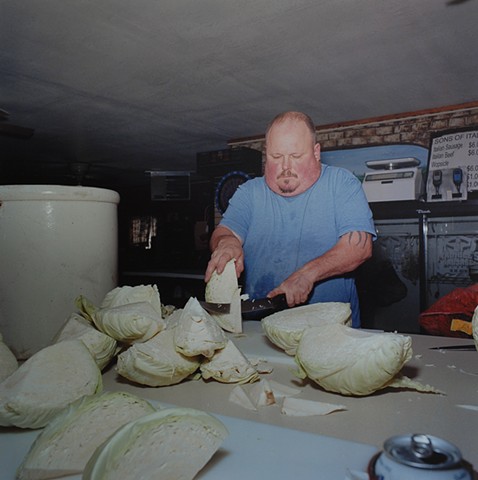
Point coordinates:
[[264, 306], [215, 307], [470, 346], [250, 309]]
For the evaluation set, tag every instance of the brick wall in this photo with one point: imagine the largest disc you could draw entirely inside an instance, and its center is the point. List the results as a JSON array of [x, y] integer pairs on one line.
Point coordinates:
[[410, 128], [413, 128]]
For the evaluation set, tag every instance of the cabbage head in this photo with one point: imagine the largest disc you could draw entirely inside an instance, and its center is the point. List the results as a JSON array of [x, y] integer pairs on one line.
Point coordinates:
[[284, 329], [350, 361], [156, 363]]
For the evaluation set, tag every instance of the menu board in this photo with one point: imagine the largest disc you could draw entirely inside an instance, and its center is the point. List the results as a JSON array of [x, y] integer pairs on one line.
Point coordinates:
[[453, 165]]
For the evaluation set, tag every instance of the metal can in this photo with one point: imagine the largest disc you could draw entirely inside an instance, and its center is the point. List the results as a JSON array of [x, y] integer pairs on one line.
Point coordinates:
[[419, 456]]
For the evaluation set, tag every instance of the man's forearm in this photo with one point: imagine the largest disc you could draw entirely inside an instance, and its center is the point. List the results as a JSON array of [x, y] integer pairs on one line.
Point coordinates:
[[221, 234], [225, 245], [352, 250]]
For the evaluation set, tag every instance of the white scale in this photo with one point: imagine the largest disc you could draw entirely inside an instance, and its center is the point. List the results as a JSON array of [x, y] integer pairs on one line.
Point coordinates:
[[393, 180]]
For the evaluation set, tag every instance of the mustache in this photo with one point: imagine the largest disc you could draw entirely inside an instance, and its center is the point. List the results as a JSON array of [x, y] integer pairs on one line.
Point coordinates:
[[287, 174]]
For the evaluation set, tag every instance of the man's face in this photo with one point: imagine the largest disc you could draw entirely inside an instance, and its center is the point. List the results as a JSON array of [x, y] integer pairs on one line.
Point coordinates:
[[292, 158]]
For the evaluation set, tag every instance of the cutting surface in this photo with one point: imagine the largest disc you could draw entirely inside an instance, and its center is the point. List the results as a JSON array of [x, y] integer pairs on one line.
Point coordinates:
[[252, 450], [268, 444], [371, 419]]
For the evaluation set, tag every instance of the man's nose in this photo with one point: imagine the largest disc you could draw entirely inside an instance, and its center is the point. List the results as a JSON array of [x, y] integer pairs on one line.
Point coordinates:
[[286, 162]]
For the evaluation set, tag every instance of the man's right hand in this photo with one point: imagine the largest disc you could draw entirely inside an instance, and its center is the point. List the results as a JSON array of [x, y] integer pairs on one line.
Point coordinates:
[[225, 246]]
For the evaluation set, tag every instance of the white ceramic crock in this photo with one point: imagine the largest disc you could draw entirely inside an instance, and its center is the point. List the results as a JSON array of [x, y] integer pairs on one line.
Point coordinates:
[[56, 242]]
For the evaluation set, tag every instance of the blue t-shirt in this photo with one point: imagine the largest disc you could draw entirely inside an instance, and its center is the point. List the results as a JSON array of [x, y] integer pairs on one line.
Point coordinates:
[[280, 234]]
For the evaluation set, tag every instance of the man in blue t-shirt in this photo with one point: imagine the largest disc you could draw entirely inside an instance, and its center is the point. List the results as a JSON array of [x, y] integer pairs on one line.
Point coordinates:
[[302, 228]]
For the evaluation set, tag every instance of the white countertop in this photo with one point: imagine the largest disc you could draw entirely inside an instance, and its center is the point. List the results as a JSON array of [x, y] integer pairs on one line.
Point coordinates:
[[266, 444]]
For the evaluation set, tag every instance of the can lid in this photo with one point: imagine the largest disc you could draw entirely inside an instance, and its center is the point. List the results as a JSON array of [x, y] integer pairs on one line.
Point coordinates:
[[422, 451]]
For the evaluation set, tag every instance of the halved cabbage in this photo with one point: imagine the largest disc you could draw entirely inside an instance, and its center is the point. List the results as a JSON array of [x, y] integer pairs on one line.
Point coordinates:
[[350, 361], [229, 365], [223, 288], [173, 443], [197, 333], [156, 362], [47, 382], [139, 293], [285, 328], [101, 346], [66, 444], [130, 323]]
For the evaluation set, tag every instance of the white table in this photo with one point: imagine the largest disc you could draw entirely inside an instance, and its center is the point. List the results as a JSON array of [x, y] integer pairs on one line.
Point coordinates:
[[266, 444]]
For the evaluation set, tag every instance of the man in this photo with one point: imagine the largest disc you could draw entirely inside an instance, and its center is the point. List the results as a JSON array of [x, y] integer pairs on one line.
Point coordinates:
[[302, 228]]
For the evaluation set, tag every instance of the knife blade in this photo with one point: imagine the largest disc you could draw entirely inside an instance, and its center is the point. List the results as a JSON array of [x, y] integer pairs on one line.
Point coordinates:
[[276, 303], [215, 307], [258, 308], [250, 309], [470, 346]]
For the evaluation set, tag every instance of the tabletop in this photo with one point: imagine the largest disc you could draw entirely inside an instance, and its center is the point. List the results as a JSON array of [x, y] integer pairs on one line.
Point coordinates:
[[270, 441], [370, 419]]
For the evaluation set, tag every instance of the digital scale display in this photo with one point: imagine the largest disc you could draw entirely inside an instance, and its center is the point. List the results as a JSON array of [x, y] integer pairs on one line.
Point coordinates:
[[378, 177]]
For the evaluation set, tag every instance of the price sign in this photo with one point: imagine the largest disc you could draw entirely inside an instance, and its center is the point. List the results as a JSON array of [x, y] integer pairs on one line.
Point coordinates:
[[456, 150], [472, 171]]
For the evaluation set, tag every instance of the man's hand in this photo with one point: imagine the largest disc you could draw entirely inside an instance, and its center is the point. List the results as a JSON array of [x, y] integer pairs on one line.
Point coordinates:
[[296, 287], [346, 255], [225, 246]]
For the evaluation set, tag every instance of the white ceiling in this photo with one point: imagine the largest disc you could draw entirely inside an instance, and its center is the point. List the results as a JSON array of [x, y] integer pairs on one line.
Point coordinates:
[[147, 84]]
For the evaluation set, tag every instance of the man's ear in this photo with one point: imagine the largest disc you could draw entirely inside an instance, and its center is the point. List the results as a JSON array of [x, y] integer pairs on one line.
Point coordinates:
[[317, 151]]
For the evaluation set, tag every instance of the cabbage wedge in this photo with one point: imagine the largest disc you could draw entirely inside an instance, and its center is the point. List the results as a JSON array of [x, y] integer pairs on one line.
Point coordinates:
[[156, 363], [229, 365], [101, 346], [197, 333], [173, 443], [139, 293], [284, 329], [350, 361], [223, 288], [66, 444], [47, 382], [130, 323]]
